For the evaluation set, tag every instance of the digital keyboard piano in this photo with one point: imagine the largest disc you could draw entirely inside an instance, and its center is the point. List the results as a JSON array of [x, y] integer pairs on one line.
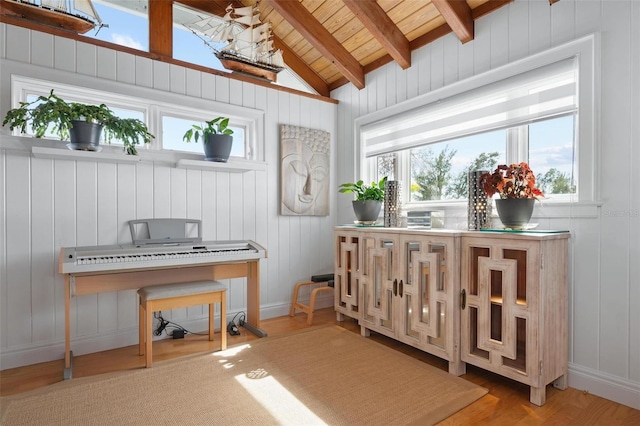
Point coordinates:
[[100, 269]]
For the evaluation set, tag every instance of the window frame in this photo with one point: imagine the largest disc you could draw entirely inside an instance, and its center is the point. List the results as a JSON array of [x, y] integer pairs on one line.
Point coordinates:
[[586, 52], [23, 80]]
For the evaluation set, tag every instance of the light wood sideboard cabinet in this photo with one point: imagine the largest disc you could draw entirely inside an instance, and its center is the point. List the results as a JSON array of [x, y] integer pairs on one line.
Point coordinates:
[[514, 306], [407, 284], [347, 266]]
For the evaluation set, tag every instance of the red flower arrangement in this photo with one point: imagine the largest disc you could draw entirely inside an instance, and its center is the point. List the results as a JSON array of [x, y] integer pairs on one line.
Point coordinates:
[[514, 181]]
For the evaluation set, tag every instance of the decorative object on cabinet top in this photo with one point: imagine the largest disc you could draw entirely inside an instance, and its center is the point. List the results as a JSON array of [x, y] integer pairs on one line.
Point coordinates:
[[516, 186], [514, 181], [77, 122], [369, 199]]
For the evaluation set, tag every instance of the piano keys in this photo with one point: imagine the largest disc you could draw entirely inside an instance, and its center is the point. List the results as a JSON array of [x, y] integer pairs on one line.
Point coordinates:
[[129, 256]]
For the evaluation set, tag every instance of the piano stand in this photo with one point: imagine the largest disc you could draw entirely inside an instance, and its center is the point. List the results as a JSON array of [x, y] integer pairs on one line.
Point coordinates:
[[120, 278], [68, 371], [255, 330]]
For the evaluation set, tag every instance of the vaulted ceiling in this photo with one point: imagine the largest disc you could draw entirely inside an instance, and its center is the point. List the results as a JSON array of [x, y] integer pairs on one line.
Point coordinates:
[[329, 43]]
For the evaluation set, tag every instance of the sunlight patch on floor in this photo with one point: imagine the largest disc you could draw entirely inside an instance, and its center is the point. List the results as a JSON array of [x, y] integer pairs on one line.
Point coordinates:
[[276, 399]]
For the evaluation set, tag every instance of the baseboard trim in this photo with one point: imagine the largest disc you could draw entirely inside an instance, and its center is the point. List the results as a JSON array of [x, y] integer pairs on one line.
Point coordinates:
[[52, 351], [614, 388]]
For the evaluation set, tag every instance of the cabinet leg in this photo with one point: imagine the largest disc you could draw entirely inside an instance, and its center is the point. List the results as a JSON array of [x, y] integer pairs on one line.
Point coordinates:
[[538, 396], [457, 368], [339, 316], [364, 331], [561, 382]]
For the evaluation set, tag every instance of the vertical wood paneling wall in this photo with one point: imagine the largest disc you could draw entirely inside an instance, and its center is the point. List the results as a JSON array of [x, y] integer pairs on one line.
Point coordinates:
[[605, 249], [46, 204]]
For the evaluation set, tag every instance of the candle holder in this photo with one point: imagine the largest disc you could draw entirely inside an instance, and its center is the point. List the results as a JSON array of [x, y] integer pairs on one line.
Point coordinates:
[[478, 207], [392, 197]]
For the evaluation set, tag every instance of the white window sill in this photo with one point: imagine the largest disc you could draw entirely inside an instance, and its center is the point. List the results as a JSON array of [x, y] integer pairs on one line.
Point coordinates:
[[54, 149]]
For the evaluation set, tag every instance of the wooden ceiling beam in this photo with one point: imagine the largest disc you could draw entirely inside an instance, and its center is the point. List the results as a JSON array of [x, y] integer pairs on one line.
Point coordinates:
[[320, 38], [458, 15], [161, 28], [291, 59], [378, 23]]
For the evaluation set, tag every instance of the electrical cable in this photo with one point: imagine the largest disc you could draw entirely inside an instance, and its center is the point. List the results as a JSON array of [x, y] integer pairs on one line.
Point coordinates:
[[162, 326]]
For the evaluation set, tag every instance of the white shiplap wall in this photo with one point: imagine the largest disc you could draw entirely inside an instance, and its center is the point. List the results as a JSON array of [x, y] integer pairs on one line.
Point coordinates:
[[605, 248], [46, 204]]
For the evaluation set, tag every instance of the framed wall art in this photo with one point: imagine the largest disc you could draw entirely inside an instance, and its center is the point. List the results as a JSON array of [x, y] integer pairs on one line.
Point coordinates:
[[304, 171]]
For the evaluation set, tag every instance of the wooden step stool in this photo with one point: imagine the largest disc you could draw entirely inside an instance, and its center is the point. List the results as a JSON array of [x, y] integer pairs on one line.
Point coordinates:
[[308, 309], [181, 295]]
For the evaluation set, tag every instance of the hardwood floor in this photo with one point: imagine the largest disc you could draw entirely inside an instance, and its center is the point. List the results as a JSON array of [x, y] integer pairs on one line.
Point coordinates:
[[506, 404]]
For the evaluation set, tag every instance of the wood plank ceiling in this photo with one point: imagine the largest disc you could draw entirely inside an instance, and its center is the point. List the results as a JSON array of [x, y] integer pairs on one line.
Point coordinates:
[[329, 43]]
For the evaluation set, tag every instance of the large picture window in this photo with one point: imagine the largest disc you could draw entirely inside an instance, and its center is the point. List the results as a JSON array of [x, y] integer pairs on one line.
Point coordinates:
[[538, 110]]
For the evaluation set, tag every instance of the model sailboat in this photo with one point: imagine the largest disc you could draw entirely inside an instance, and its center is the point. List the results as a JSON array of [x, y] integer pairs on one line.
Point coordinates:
[[78, 16], [249, 48]]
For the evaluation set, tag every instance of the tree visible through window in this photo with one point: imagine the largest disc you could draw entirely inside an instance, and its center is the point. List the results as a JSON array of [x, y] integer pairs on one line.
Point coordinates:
[[439, 171]]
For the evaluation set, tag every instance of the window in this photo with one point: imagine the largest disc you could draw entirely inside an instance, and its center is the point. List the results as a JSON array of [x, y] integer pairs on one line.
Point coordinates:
[[439, 171], [173, 129], [168, 121], [125, 24], [534, 110]]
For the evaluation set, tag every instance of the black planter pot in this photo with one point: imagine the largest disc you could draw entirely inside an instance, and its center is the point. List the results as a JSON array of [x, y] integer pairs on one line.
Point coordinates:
[[85, 136], [218, 147], [515, 212], [366, 211]]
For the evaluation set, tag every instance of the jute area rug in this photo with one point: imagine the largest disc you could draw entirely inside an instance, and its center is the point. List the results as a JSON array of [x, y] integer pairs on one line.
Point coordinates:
[[324, 376]]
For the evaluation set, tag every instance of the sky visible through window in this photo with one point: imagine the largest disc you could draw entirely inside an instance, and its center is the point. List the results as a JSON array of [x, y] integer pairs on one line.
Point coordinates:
[[129, 28]]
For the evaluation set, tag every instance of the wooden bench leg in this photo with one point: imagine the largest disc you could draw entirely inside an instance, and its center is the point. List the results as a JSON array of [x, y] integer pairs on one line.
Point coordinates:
[[223, 320], [211, 305], [148, 339], [141, 328]]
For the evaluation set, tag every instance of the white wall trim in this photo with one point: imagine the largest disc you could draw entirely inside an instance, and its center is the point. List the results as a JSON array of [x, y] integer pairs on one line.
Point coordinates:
[[605, 385]]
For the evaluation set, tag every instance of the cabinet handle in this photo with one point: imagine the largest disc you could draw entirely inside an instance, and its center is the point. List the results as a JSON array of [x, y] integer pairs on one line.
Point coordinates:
[[400, 289], [395, 287], [463, 299]]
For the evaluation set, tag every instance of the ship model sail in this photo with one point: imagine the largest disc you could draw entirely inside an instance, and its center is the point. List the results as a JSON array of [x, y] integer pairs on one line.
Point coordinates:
[[78, 16], [249, 48]]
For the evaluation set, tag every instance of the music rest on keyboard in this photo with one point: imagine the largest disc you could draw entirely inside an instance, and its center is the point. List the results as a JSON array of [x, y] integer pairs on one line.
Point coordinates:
[[127, 256]]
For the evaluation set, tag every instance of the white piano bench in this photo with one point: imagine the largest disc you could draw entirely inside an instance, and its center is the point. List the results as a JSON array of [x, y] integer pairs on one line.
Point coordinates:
[[180, 295]]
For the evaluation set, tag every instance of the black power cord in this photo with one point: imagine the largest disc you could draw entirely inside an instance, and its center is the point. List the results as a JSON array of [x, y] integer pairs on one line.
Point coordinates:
[[232, 328], [178, 331]]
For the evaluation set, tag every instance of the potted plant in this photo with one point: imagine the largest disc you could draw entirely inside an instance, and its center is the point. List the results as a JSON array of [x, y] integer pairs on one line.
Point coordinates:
[[82, 124], [516, 186], [368, 200], [216, 137]]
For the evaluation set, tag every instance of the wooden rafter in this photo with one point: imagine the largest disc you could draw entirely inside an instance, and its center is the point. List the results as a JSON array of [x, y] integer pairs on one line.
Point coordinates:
[[459, 17], [321, 39], [375, 19], [160, 28], [293, 61]]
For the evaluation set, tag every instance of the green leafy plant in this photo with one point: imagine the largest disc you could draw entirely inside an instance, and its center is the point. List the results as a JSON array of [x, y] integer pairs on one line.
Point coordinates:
[[362, 192], [53, 110], [217, 126]]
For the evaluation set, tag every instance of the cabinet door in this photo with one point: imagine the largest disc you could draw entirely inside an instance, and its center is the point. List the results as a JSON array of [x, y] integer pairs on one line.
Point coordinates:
[[378, 282], [346, 272], [421, 294], [500, 319]]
